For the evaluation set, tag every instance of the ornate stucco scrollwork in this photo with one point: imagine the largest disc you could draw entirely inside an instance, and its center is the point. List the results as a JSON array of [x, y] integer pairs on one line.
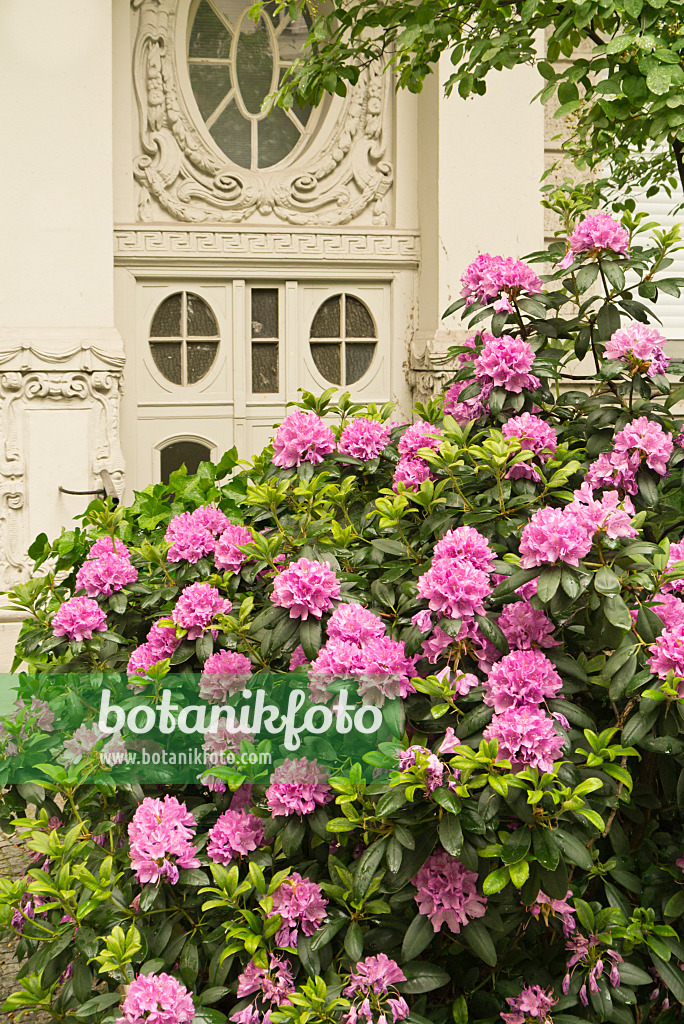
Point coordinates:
[[343, 170]]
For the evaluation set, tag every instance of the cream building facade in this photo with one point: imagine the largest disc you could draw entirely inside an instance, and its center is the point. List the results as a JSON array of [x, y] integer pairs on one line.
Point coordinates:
[[175, 267]]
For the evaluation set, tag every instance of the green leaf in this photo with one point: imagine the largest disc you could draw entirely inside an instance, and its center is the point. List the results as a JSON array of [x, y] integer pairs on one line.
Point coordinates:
[[516, 845], [480, 941], [617, 612], [448, 800], [659, 80], [422, 977], [493, 633], [606, 582], [607, 321], [615, 274], [451, 834], [671, 975], [311, 637], [586, 276], [189, 963], [366, 866], [496, 881], [545, 848], [419, 935], [548, 583], [328, 932], [353, 941]]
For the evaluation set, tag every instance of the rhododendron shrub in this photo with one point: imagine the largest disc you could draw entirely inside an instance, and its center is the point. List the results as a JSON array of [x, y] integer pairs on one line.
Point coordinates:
[[500, 579]]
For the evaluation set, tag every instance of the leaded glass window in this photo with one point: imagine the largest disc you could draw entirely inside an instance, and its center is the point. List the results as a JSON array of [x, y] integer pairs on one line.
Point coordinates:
[[234, 64], [265, 331], [343, 339], [182, 453], [184, 338]]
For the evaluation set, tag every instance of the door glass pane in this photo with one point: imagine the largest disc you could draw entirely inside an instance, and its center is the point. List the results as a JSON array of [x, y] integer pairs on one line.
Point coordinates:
[[201, 321], [358, 359], [254, 64], [327, 360], [166, 322], [326, 323], [278, 135], [210, 84], [358, 320], [182, 453], [201, 355], [264, 368], [167, 358], [233, 135], [265, 313]]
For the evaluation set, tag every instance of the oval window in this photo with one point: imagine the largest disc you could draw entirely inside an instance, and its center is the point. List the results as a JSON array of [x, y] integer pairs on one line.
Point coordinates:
[[343, 339], [184, 338], [234, 64]]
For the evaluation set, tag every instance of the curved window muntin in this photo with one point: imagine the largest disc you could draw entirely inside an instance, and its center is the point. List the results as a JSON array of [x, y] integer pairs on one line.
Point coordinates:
[[306, 129], [343, 339], [183, 338]]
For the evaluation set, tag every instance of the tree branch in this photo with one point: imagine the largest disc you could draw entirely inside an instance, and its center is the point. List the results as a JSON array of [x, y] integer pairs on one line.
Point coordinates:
[[678, 150]]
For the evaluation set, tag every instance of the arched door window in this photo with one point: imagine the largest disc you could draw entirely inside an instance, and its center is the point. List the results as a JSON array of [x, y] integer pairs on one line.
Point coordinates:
[[182, 453]]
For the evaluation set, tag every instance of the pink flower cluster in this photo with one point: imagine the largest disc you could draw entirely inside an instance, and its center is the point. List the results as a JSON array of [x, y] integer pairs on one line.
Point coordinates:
[[533, 1004], [301, 905], [610, 515], [521, 678], [298, 786], [527, 737], [676, 555], [107, 568], [161, 830], [197, 607], [526, 627], [667, 655], [156, 999], [306, 588], [206, 531], [583, 953], [364, 439], [273, 985], [78, 618], [160, 644], [373, 980], [235, 834], [641, 347], [458, 581], [554, 535], [505, 362], [670, 609], [446, 892], [468, 409], [218, 744], [544, 906], [535, 435], [642, 440], [225, 673], [302, 437], [596, 234], [489, 277], [412, 470], [425, 760]]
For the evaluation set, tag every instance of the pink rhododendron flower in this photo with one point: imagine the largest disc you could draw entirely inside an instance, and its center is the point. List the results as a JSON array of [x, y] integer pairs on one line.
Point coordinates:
[[386, 672], [78, 618], [302, 437], [163, 639], [544, 906], [306, 588], [579, 947], [104, 575], [301, 905], [535, 435], [469, 409], [526, 627], [554, 535], [197, 607], [505, 362], [235, 834], [447, 892], [455, 588], [420, 435], [297, 658], [108, 546], [142, 659], [489, 277], [649, 440], [156, 999], [434, 768], [667, 655], [596, 234], [670, 609], [611, 471], [337, 660], [161, 830], [364, 439], [82, 742], [460, 683], [274, 985], [355, 623], [533, 1004], [527, 737], [189, 538], [374, 979], [220, 746], [225, 673], [676, 555], [611, 514], [227, 554], [411, 472], [641, 347], [211, 518], [468, 544], [521, 678], [298, 786], [435, 645]]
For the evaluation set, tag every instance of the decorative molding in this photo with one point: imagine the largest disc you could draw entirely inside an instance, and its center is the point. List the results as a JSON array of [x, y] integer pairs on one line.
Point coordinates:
[[430, 365], [34, 348], [19, 393], [342, 171], [136, 246]]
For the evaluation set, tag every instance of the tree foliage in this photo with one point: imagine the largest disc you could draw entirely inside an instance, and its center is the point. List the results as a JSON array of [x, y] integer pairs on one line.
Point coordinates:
[[615, 67]]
